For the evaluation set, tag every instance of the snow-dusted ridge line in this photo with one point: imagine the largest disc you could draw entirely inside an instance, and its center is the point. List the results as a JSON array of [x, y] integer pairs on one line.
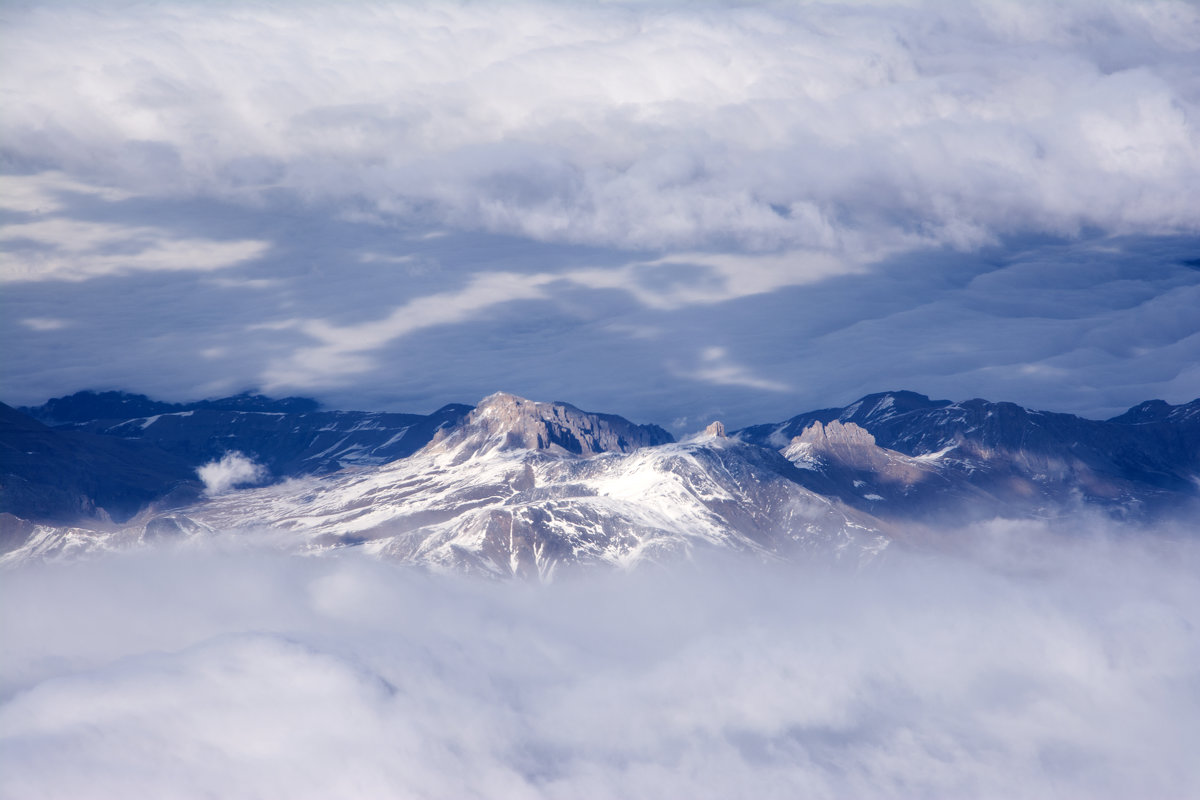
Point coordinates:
[[514, 487], [525, 489]]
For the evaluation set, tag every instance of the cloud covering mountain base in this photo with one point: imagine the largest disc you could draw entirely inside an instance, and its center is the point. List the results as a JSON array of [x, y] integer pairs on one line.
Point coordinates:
[[1032, 667]]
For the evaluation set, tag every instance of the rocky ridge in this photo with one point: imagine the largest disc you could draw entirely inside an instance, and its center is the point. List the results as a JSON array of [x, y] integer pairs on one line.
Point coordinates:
[[520, 488], [289, 437], [935, 458]]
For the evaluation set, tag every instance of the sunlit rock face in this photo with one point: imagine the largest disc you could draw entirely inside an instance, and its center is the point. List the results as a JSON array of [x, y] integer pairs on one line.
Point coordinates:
[[504, 421], [937, 459], [847, 440]]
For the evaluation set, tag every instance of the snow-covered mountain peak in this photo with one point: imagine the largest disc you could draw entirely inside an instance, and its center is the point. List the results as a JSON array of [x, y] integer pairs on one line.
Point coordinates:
[[505, 421]]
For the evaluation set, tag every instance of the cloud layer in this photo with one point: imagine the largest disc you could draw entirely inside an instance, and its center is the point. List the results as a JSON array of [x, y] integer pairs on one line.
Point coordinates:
[[670, 211], [1032, 667], [850, 129]]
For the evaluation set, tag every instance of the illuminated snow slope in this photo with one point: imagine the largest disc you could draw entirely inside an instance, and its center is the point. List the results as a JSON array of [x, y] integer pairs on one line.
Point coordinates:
[[521, 488], [486, 498]]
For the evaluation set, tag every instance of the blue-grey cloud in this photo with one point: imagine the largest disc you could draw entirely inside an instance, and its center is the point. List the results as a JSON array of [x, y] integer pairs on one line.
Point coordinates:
[[663, 210], [1090, 327]]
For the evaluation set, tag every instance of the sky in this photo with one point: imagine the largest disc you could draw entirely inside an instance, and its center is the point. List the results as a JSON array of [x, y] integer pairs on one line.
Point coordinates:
[[674, 212], [1036, 665]]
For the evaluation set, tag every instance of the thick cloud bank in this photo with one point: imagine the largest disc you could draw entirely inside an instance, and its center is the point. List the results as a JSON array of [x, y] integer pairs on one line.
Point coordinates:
[[1029, 669], [854, 128]]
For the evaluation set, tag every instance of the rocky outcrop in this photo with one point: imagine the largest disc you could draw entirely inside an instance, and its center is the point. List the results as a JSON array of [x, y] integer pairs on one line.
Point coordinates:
[[837, 436], [842, 459], [981, 458], [507, 422], [1154, 442]]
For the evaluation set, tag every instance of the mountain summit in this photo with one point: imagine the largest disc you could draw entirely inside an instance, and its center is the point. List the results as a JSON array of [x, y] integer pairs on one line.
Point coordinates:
[[504, 421]]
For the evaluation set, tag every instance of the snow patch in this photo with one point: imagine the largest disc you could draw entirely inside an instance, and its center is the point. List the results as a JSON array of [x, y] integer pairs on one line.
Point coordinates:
[[148, 421], [936, 455]]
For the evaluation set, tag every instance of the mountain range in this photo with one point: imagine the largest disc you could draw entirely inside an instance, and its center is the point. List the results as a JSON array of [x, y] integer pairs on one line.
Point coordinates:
[[513, 487]]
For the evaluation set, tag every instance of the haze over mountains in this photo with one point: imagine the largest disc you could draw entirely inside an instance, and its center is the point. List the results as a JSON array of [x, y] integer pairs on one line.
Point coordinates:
[[516, 487]]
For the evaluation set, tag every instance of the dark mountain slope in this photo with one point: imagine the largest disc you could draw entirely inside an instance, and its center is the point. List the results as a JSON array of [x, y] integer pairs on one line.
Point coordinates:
[[49, 475], [1013, 460], [289, 436]]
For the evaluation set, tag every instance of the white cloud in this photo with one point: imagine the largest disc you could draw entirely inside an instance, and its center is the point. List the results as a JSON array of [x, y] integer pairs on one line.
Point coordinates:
[[59, 248], [45, 323], [46, 243], [232, 470], [1028, 666], [670, 126], [685, 279], [343, 350], [43, 192], [663, 284], [715, 366]]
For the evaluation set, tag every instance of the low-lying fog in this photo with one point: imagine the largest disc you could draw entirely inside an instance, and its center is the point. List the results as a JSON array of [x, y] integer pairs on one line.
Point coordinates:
[[1031, 665]]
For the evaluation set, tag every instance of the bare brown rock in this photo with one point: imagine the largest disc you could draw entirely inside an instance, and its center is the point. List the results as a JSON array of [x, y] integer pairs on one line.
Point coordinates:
[[507, 422]]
